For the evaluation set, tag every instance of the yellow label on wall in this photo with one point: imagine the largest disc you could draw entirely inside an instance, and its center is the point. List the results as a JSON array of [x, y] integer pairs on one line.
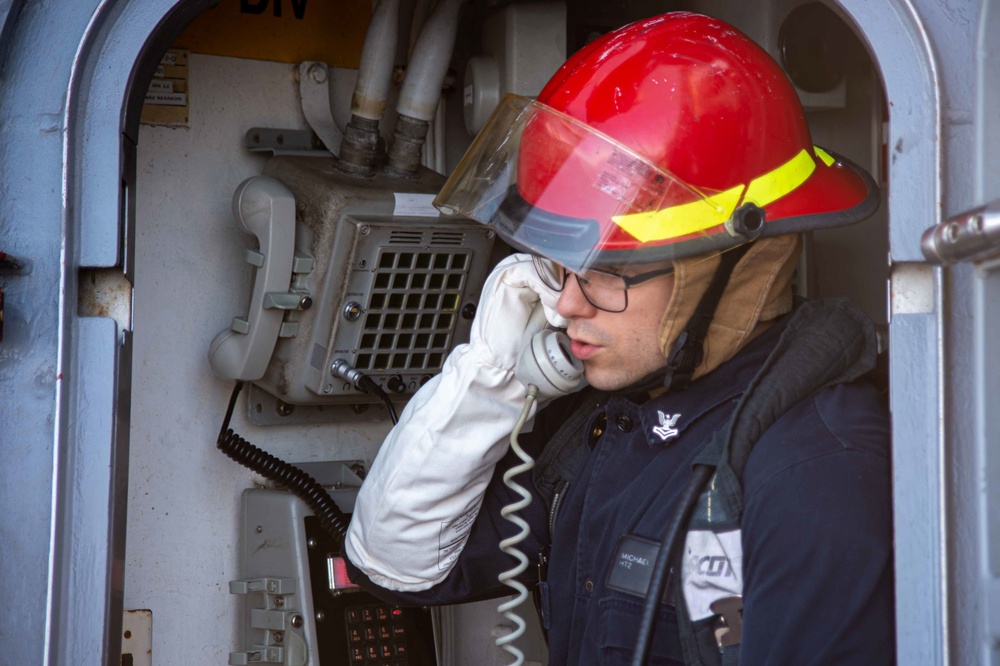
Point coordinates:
[[282, 30]]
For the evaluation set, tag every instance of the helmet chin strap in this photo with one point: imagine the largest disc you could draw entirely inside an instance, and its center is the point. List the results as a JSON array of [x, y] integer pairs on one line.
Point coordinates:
[[688, 350]]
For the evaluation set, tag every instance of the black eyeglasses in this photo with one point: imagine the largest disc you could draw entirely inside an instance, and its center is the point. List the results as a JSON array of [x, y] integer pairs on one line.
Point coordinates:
[[604, 289]]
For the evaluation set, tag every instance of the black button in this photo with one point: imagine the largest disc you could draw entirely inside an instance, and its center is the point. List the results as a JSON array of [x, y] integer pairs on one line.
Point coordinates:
[[624, 423], [589, 586]]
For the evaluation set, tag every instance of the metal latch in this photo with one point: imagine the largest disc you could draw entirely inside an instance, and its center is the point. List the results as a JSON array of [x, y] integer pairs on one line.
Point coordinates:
[[970, 236], [283, 628], [266, 585]]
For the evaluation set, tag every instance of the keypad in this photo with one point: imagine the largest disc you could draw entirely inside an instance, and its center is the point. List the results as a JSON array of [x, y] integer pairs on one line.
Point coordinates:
[[376, 635]]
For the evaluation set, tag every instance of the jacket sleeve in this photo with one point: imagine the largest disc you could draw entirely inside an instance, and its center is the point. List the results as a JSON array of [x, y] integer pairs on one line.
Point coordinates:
[[474, 575], [424, 489], [817, 537]]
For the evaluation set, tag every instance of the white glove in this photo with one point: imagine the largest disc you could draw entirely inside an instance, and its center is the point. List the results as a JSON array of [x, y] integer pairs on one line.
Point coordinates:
[[415, 509]]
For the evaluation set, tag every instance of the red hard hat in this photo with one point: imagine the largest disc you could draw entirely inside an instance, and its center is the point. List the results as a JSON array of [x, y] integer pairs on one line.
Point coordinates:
[[670, 137]]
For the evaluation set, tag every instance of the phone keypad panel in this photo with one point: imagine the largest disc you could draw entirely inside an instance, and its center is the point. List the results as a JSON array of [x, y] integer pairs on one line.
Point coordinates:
[[376, 635]]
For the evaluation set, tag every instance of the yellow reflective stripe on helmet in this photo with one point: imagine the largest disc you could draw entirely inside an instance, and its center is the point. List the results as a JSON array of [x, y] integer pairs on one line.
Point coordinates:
[[823, 155], [712, 211], [776, 184], [681, 219]]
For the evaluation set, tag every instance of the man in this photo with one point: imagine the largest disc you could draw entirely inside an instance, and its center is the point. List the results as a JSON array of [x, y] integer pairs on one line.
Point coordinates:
[[656, 188]]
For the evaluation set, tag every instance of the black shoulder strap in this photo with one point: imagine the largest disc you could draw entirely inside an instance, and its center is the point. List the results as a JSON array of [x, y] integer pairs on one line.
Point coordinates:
[[825, 343]]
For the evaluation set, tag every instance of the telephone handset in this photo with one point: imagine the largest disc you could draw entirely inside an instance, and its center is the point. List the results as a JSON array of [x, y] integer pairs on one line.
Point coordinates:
[[546, 360], [265, 208]]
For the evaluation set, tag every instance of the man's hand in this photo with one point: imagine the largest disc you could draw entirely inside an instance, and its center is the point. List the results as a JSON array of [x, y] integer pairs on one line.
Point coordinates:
[[511, 294]]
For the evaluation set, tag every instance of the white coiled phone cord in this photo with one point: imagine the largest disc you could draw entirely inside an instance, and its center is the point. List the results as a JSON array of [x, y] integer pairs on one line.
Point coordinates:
[[509, 512]]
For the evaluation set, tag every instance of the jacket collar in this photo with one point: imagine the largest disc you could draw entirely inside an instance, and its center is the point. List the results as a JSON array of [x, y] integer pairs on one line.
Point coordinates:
[[667, 416]]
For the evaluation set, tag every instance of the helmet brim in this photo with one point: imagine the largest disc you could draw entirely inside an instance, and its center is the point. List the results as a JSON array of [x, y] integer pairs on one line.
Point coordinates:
[[575, 242]]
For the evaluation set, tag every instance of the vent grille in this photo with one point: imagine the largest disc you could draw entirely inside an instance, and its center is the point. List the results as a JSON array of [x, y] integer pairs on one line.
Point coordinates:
[[406, 238], [412, 311], [439, 238]]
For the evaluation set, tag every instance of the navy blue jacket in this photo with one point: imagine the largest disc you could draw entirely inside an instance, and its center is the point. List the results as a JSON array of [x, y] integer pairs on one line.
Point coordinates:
[[816, 528]]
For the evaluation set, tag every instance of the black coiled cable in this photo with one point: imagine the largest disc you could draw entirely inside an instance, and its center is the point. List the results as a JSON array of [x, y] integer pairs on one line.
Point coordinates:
[[304, 486]]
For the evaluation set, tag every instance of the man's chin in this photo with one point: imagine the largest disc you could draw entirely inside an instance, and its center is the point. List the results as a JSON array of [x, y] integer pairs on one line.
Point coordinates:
[[615, 377], [603, 380]]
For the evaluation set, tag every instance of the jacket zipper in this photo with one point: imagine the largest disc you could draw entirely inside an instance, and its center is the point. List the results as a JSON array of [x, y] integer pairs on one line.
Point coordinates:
[[557, 498]]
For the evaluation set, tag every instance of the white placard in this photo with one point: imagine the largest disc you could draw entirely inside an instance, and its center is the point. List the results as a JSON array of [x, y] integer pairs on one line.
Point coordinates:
[[162, 85], [414, 205], [166, 99]]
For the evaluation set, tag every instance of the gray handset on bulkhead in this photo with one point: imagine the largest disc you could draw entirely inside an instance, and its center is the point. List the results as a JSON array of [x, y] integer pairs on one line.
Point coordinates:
[[265, 208]]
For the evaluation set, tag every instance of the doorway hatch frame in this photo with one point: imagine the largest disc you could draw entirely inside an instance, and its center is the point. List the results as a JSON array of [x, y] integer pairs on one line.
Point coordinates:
[[72, 84]]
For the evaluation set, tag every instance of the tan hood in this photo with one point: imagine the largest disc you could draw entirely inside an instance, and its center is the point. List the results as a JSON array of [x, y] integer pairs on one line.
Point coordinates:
[[758, 291]]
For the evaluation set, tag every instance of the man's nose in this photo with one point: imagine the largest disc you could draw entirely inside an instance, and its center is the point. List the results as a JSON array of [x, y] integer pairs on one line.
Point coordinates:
[[572, 303]]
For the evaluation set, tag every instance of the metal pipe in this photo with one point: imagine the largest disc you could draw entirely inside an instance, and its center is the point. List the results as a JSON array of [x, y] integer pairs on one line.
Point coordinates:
[[418, 99], [359, 149]]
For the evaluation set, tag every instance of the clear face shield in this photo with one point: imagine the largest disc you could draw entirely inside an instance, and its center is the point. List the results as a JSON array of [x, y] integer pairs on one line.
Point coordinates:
[[557, 188]]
